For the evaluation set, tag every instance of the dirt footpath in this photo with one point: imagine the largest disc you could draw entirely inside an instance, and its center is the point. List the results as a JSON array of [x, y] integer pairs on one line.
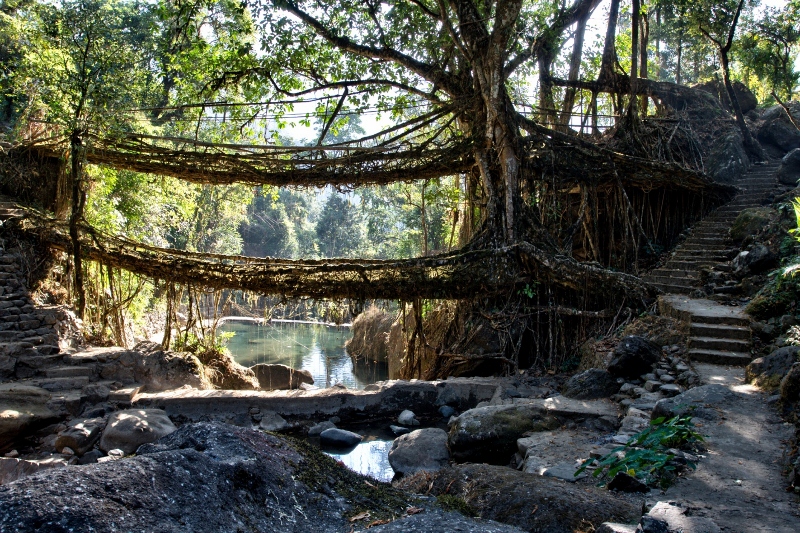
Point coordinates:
[[739, 484]]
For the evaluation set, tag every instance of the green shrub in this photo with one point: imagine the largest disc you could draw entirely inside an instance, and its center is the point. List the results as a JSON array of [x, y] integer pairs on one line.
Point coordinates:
[[646, 455]]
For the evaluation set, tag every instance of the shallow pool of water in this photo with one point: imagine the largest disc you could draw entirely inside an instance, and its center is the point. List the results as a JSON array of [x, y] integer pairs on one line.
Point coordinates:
[[317, 348], [370, 458]]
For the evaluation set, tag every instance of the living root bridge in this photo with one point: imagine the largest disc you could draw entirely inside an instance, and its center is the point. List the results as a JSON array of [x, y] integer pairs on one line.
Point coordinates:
[[460, 274]]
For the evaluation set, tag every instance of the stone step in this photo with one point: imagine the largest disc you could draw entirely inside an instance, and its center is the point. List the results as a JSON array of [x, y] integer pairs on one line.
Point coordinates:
[[720, 331], [676, 289], [668, 280], [719, 357], [69, 372], [674, 273], [714, 343], [124, 396], [61, 384]]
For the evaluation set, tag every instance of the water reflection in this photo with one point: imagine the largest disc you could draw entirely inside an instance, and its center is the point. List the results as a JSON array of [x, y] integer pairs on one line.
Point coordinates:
[[370, 458], [314, 347]]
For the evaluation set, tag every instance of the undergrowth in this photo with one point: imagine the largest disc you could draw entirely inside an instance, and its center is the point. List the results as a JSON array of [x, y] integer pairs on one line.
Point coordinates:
[[647, 456]]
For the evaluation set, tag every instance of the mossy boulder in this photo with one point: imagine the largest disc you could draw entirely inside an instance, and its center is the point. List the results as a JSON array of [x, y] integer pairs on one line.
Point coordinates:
[[489, 434], [751, 221], [767, 372], [776, 298]]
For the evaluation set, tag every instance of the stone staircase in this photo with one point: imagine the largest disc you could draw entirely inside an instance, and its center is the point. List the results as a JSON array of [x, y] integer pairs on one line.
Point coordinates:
[[718, 334], [706, 246]]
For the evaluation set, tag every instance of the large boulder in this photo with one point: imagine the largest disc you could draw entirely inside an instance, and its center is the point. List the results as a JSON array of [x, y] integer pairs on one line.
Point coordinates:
[[751, 221], [633, 357], [129, 429], [280, 377], [23, 409], [789, 171], [532, 503], [790, 385], [148, 365], [700, 401], [777, 130], [727, 159], [590, 385], [489, 434], [203, 477], [767, 372], [755, 261], [747, 100], [423, 449]]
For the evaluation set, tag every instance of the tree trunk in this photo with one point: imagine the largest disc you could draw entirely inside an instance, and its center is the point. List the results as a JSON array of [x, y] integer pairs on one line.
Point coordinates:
[[632, 107], [644, 38], [574, 71], [78, 201], [609, 60], [750, 144]]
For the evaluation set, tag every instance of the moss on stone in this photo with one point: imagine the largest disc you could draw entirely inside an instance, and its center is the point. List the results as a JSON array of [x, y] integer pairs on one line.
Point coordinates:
[[322, 473], [448, 502]]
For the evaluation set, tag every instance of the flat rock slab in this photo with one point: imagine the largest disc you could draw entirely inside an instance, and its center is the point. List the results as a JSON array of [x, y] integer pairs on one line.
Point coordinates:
[[532, 503], [680, 519], [565, 472], [703, 402], [129, 429], [489, 434], [15, 469]]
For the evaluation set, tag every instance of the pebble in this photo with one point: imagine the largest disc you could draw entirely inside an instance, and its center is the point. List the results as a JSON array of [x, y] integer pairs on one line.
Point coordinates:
[[399, 430], [669, 390], [446, 411], [12, 454], [666, 378], [66, 450], [316, 429]]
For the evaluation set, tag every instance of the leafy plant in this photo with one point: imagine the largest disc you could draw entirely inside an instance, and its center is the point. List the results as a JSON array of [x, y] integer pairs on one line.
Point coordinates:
[[647, 455]]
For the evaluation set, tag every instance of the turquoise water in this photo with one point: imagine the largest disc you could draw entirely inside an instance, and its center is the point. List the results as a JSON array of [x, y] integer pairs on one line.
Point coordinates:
[[314, 347]]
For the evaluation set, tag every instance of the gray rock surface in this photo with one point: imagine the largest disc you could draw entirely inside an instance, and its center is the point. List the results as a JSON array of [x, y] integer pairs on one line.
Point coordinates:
[[316, 429], [438, 521], [272, 421], [789, 171], [633, 357], [81, 435], [727, 159], [280, 377], [790, 385], [146, 364], [23, 408], [407, 418], [702, 400], [767, 372], [489, 434], [423, 449], [777, 130], [590, 385], [15, 469], [203, 477], [339, 438], [532, 503], [129, 429]]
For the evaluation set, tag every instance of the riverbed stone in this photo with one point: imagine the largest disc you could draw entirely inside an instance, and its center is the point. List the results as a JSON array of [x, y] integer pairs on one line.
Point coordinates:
[[564, 471], [509, 496], [316, 429], [423, 449], [407, 418], [281, 377], [489, 434], [80, 435], [272, 421], [127, 430], [23, 408], [339, 438], [147, 365], [633, 357], [590, 385]]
